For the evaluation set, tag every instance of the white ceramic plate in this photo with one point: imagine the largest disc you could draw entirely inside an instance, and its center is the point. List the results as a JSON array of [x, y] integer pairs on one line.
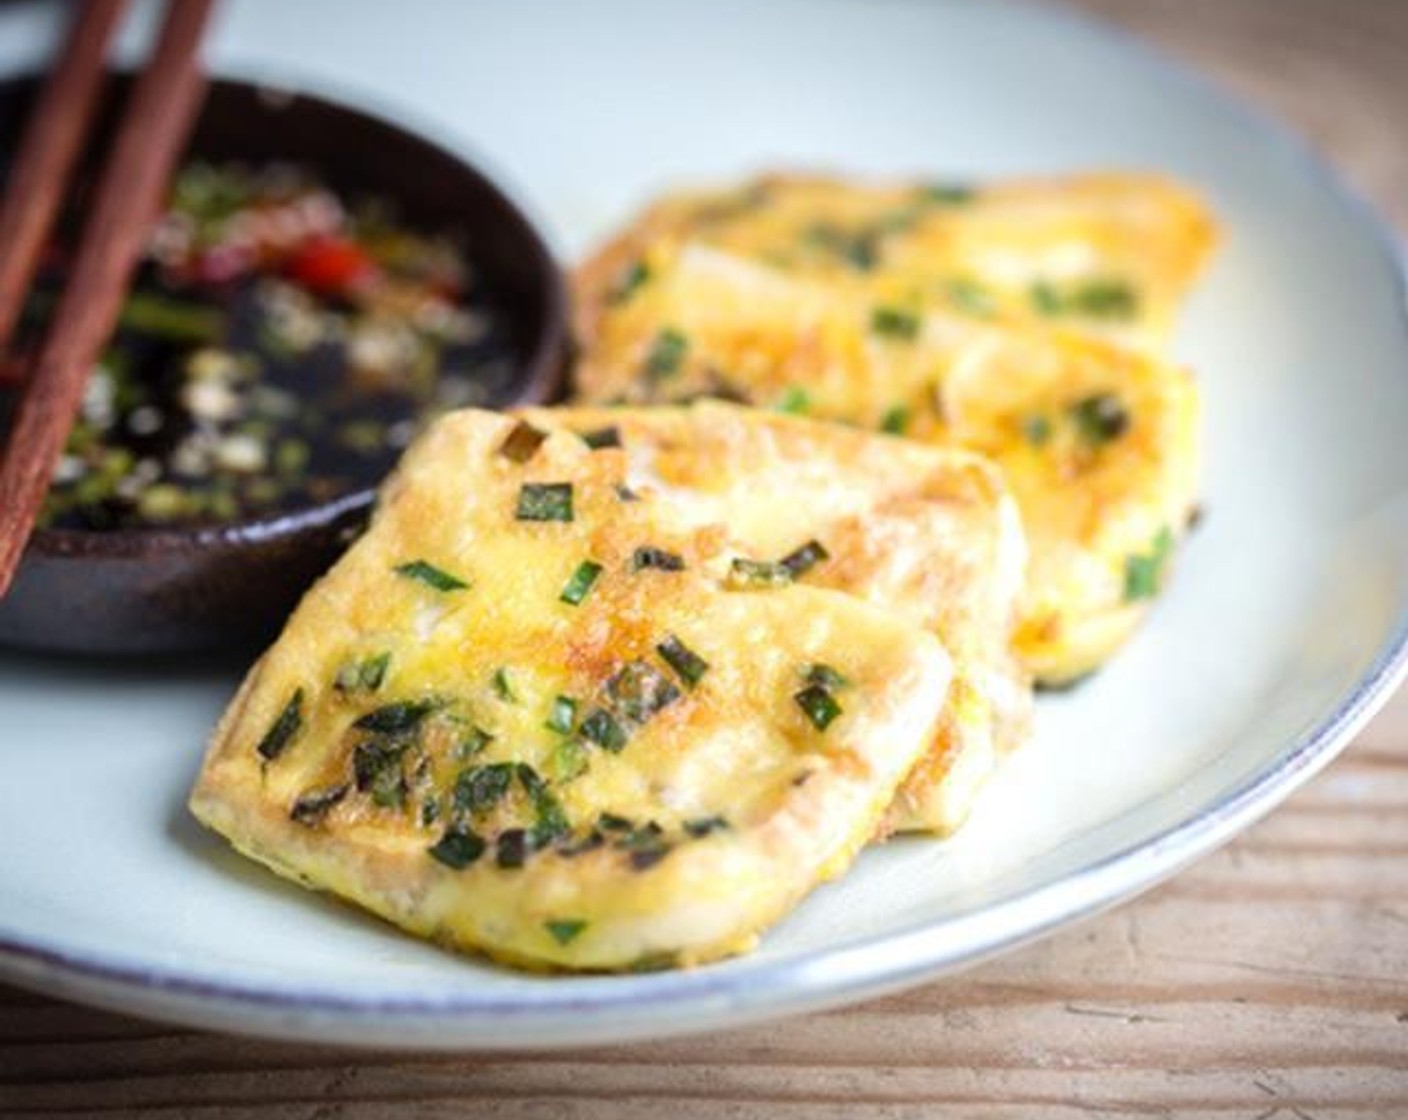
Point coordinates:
[[1285, 627]]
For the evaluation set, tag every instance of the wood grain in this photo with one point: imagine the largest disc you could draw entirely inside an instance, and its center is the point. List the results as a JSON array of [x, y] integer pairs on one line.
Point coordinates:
[[1269, 981]]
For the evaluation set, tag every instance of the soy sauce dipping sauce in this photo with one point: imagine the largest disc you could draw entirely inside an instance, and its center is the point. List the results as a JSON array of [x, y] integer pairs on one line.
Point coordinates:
[[280, 347]]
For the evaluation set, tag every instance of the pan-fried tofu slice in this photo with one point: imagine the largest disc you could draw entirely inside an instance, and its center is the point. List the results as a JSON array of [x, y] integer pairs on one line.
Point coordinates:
[[928, 532], [1099, 441], [520, 717], [1114, 254]]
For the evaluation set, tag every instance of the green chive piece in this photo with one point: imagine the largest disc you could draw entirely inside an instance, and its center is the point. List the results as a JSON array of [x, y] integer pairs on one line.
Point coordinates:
[[1036, 430], [895, 420], [522, 442], [971, 297], [513, 848], [666, 354], [819, 705], [398, 718], [503, 687], [602, 437], [859, 249], [480, 788], [430, 575], [1104, 299], [1046, 299], [281, 733], [804, 559], [1143, 572], [602, 728], [377, 770], [824, 676], [565, 930], [551, 821], [313, 805], [545, 501], [949, 194], [562, 715], [1100, 418], [794, 400], [895, 322], [632, 277], [458, 847], [569, 759], [610, 822], [648, 556], [687, 664], [745, 573], [701, 827], [474, 743], [580, 584], [640, 690], [363, 676]]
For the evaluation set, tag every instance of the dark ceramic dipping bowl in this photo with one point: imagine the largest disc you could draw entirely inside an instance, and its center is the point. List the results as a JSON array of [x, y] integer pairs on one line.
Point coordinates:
[[230, 586]]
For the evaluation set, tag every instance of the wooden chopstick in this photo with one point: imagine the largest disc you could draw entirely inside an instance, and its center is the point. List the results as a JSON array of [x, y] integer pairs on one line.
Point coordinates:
[[50, 145], [153, 130]]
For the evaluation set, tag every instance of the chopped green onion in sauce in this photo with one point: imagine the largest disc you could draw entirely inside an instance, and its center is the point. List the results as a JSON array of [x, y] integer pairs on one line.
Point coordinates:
[[949, 194], [640, 691], [363, 676], [600, 438], [474, 743], [648, 556], [1143, 572], [631, 278], [804, 559], [752, 574], [895, 420], [431, 576], [313, 805], [562, 715], [545, 501], [701, 827], [284, 728], [1036, 429], [522, 442], [503, 686], [819, 706], [666, 354], [565, 930], [512, 849], [1100, 418], [602, 728], [860, 249], [895, 322], [971, 297], [458, 847], [480, 788], [398, 718], [688, 665], [824, 676], [794, 400], [581, 582]]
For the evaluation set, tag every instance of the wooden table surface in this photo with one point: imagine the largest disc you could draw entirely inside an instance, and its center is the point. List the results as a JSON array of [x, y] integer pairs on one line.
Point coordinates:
[[1271, 980]]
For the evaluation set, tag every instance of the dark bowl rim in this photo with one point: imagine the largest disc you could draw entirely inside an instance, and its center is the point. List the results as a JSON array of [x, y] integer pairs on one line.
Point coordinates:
[[542, 364]]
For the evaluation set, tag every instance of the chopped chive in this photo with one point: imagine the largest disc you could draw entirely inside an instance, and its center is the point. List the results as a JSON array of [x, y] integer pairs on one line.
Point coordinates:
[[512, 849], [648, 556], [949, 194], [313, 805], [640, 690], [747, 573], [1143, 572], [458, 847], [970, 296], [430, 575], [795, 400], [376, 768], [804, 559], [545, 501], [701, 827], [503, 687], [569, 759], [551, 823], [632, 277], [895, 420], [588, 843], [1046, 299], [562, 715], [580, 583], [895, 322], [824, 676], [625, 493], [600, 727], [1036, 429], [429, 812], [610, 822], [859, 249], [565, 930], [645, 858], [819, 705], [522, 442], [363, 676], [602, 437], [687, 664], [474, 743], [666, 354], [281, 733], [479, 789], [1104, 299], [398, 718], [1100, 418]]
